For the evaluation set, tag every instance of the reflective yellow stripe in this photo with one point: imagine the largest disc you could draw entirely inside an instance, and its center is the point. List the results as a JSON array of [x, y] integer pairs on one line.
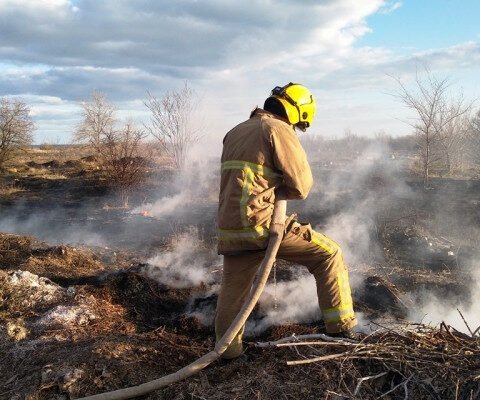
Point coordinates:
[[246, 186], [339, 309], [338, 316], [235, 348], [250, 169], [330, 241], [345, 310], [320, 241], [344, 287], [340, 313], [258, 232], [257, 168]]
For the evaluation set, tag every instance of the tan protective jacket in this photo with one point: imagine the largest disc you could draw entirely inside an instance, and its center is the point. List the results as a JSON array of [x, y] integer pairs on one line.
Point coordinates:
[[259, 155]]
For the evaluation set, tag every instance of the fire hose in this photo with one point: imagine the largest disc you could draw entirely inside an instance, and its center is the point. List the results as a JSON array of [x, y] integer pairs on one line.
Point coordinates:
[[276, 235]]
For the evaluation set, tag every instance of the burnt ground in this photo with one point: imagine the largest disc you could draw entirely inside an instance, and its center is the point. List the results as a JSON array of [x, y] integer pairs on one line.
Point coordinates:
[[79, 316]]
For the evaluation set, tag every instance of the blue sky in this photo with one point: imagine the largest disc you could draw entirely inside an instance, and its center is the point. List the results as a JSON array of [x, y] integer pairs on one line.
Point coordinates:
[[54, 53], [424, 24]]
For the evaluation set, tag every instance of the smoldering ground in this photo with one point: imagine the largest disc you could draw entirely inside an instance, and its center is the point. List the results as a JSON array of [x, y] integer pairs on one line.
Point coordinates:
[[362, 204], [190, 192], [462, 311], [96, 221], [370, 204], [55, 224], [189, 262]]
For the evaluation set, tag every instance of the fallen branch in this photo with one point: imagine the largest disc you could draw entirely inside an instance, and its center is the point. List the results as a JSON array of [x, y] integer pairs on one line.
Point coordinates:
[[404, 384], [316, 343], [322, 358], [476, 331], [468, 327], [366, 378], [304, 337]]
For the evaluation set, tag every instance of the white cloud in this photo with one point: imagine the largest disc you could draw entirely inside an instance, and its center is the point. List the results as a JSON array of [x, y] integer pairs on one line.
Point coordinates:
[[40, 4], [390, 7], [165, 37], [231, 53], [228, 51], [464, 55]]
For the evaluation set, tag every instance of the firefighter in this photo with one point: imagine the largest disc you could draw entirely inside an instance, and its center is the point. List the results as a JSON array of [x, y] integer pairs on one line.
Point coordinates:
[[262, 157]]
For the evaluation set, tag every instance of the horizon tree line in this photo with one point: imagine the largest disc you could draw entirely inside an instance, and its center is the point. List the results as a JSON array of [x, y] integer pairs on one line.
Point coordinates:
[[445, 128]]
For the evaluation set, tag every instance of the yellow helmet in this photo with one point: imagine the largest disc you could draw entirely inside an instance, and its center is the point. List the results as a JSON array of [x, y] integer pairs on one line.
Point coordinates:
[[298, 103]]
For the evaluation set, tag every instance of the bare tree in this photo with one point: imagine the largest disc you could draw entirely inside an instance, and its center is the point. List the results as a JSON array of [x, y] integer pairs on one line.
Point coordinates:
[[119, 150], [454, 142], [476, 122], [172, 124], [474, 137], [434, 110], [126, 160], [98, 122], [16, 127]]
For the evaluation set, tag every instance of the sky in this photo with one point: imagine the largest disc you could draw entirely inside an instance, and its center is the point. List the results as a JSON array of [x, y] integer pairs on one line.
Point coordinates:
[[55, 53]]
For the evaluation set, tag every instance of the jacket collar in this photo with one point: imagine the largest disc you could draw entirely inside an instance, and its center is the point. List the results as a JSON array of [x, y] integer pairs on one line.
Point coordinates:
[[261, 112]]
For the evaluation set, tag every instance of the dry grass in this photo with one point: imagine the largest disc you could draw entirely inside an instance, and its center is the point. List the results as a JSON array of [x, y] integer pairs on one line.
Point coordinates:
[[44, 174], [44, 154], [24, 253], [10, 189]]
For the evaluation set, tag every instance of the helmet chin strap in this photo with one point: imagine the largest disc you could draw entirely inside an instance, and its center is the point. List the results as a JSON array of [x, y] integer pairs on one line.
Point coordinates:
[[302, 126]]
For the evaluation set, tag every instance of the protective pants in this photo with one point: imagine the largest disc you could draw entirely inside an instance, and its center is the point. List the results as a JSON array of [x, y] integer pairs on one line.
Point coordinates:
[[301, 245]]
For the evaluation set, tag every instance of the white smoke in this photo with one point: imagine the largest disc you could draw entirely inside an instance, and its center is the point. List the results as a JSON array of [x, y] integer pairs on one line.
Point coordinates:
[[195, 185], [286, 302], [433, 310], [352, 229], [348, 200], [355, 197], [352, 225], [293, 301], [54, 226], [187, 263], [204, 311], [167, 205]]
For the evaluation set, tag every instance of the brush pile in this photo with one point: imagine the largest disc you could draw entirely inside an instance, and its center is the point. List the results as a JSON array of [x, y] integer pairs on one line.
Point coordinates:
[[418, 362]]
